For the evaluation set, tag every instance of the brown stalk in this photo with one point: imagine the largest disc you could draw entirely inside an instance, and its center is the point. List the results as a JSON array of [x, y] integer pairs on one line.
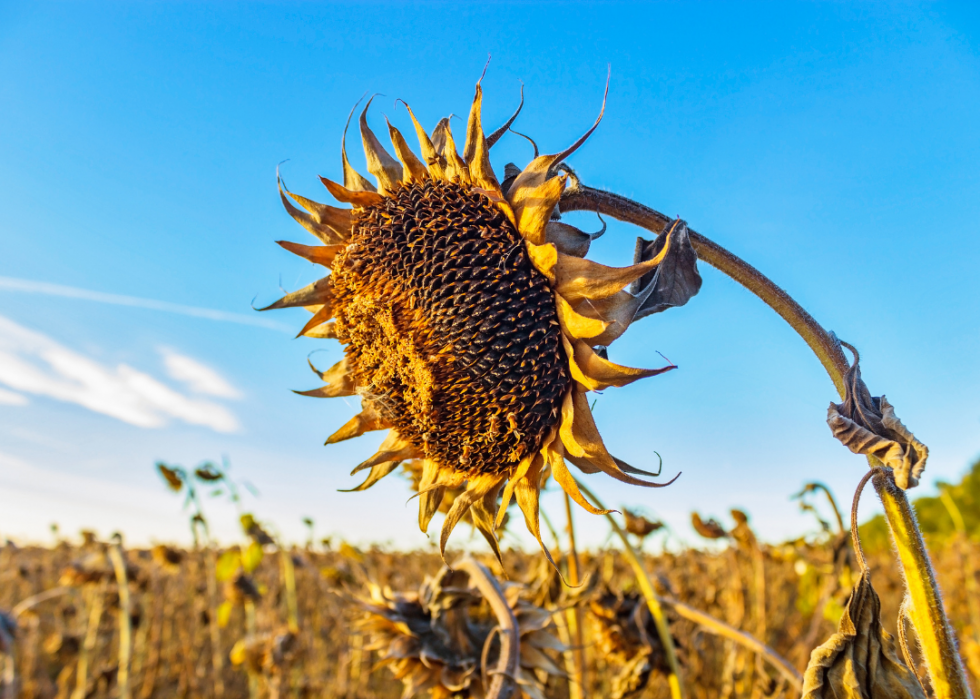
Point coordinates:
[[96, 601], [503, 683], [289, 582], [833, 505], [927, 613], [653, 602], [156, 632], [217, 654], [580, 197], [577, 685], [966, 556], [125, 623], [250, 629]]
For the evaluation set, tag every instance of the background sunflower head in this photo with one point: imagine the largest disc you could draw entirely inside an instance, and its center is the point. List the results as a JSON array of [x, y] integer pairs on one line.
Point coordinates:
[[441, 639]]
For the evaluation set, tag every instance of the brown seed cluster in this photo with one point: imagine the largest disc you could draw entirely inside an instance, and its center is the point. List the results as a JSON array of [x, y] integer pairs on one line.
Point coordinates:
[[449, 329]]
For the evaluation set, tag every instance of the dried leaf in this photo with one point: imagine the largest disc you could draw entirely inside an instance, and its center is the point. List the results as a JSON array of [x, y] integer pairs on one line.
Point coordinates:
[[640, 525], [676, 279], [860, 661], [867, 425], [710, 529], [172, 476]]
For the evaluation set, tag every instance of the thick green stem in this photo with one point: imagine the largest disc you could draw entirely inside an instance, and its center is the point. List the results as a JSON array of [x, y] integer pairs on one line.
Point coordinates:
[[653, 603], [928, 616]]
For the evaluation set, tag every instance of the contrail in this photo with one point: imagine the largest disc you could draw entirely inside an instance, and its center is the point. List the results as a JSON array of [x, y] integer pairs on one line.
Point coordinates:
[[32, 287]]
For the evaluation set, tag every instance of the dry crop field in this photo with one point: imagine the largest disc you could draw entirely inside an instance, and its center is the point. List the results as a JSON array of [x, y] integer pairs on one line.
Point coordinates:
[[260, 621], [475, 332]]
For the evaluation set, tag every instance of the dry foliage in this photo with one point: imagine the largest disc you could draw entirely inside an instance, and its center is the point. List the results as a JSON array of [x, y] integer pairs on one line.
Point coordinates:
[[806, 589]]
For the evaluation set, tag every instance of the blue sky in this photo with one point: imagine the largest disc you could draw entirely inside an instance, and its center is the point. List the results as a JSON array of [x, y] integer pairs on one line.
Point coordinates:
[[833, 145]]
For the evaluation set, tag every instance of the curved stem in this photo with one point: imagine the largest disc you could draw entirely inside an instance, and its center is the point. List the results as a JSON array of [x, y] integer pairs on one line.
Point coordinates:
[[504, 678], [720, 628], [653, 603], [580, 197], [928, 616], [34, 600]]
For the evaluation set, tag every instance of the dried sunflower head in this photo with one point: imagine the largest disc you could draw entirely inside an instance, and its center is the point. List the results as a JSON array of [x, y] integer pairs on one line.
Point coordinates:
[[266, 654], [626, 636], [167, 557], [441, 639], [472, 325]]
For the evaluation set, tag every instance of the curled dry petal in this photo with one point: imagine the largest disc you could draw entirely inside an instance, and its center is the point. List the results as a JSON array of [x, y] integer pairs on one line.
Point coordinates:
[[379, 161], [860, 661], [867, 425]]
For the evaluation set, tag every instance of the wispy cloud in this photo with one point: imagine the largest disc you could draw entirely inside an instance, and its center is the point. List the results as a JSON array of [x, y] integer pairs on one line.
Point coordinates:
[[33, 363], [198, 377], [33, 287]]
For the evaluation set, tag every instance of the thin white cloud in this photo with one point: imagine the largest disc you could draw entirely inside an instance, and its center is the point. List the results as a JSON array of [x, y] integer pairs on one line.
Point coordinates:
[[33, 363], [11, 398], [71, 292], [198, 377]]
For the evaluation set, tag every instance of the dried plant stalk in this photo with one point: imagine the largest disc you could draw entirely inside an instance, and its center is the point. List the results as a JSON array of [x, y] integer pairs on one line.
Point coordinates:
[[577, 682], [653, 603], [502, 684], [125, 624], [969, 567], [96, 605], [214, 629]]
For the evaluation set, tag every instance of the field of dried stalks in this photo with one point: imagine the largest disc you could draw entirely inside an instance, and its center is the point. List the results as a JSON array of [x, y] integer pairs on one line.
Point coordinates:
[[259, 621]]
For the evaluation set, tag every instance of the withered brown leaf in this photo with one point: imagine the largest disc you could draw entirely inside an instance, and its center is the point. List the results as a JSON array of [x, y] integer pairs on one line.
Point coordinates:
[[675, 280], [860, 661], [867, 425], [710, 529]]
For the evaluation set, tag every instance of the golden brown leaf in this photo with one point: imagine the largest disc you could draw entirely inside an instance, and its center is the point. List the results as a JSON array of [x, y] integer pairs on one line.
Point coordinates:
[[867, 425], [860, 661]]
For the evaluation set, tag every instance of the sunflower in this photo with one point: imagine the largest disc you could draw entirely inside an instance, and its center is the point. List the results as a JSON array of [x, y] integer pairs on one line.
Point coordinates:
[[439, 639], [473, 326]]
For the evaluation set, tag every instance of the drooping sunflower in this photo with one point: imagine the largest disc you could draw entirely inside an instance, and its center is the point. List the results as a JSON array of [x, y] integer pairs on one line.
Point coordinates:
[[473, 326]]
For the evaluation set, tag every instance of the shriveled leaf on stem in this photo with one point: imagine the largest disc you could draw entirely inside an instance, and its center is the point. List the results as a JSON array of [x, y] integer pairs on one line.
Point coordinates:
[[860, 661], [675, 280], [867, 425]]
